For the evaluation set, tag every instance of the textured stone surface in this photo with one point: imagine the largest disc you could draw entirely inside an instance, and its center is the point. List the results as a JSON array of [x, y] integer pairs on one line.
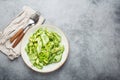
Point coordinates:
[[92, 28]]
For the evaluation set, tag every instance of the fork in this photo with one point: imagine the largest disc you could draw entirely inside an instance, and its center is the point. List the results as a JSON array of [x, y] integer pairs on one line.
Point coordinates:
[[16, 38]]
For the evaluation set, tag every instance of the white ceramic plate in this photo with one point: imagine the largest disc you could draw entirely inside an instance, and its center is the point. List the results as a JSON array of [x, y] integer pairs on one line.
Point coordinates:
[[50, 67]]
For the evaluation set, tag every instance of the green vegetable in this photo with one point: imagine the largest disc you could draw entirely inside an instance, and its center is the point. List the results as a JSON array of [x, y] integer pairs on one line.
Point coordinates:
[[44, 48]]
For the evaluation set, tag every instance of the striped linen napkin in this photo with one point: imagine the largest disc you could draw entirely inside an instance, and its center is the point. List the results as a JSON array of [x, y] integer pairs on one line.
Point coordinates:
[[20, 21]]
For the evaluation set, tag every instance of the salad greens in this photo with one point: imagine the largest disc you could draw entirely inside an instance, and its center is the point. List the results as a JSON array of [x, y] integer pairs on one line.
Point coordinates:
[[44, 47]]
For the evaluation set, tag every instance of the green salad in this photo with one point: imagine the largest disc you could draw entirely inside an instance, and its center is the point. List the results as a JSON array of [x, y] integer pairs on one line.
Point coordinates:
[[44, 48]]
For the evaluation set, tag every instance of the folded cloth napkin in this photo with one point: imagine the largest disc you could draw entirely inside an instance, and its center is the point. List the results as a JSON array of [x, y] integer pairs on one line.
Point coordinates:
[[20, 21]]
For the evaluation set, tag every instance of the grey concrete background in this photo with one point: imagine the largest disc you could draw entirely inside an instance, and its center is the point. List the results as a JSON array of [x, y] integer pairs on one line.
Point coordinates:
[[92, 28]]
